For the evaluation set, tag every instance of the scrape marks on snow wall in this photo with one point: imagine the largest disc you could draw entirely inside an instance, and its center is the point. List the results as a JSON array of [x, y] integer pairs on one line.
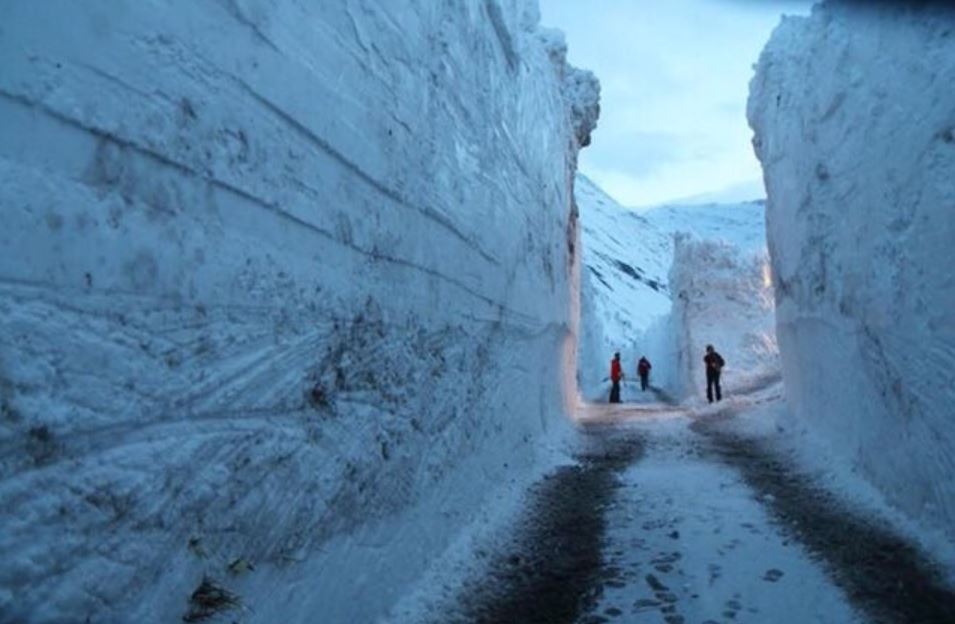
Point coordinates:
[[268, 276]]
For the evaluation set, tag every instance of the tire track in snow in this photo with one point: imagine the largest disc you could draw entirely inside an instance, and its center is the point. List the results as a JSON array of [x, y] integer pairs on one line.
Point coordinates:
[[881, 572], [551, 571]]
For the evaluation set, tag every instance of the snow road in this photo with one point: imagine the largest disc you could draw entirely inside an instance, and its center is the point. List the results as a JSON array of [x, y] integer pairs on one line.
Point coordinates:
[[677, 516]]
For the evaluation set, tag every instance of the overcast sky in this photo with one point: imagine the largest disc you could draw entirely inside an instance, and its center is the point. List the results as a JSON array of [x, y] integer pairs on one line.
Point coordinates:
[[674, 78]]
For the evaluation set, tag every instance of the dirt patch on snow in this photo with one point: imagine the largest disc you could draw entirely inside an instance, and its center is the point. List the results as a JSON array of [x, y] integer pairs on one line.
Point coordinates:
[[882, 574], [551, 570]]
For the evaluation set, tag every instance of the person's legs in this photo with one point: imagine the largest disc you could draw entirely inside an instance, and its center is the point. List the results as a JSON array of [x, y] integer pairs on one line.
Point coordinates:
[[615, 392], [709, 387], [719, 391], [643, 382]]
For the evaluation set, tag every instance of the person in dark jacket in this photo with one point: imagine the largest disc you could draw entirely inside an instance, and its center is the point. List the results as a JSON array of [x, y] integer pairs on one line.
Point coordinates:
[[643, 370], [714, 366], [616, 374]]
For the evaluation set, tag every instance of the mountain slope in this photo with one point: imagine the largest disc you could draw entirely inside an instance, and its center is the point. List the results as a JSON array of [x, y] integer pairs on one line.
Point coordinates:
[[633, 270]]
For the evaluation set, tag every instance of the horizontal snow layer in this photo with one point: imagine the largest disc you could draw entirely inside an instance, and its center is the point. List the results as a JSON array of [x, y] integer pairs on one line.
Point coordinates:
[[270, 272], [853, 113]]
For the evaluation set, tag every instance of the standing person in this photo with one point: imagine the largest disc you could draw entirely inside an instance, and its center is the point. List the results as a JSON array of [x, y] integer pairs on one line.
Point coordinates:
[[643, 369], [616, 374], [714, 366]]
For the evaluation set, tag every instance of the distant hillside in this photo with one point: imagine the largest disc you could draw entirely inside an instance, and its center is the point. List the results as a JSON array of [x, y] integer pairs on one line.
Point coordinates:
[[626, 293]]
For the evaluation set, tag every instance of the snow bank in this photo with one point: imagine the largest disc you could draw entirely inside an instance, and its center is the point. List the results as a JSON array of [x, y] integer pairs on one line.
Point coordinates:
[[286, 287], [722, 296], [853, 113]]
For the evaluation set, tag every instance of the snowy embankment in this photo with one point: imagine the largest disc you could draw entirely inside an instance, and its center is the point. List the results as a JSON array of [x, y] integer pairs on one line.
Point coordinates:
[[711, 259], [852, 110], [285, 291]]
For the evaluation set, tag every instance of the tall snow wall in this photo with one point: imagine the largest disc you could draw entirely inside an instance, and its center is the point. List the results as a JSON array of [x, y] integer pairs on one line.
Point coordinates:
[[285, 288], [722, 296], [854, 118]]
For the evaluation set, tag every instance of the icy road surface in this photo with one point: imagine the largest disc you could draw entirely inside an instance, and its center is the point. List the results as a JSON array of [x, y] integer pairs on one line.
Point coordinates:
[[677, 516]]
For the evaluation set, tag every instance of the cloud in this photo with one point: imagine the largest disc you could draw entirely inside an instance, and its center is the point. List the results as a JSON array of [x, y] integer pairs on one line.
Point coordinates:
[[639, 153], [674, 81]]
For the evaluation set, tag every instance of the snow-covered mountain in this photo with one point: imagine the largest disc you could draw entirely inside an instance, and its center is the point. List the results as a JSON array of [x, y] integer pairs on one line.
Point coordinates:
[[276, 279], [636, 265], [742, 225], [853, 113], [623, 284]]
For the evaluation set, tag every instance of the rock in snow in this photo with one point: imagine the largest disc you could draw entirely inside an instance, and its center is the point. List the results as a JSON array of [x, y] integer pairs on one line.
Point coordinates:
[[853, 114], [277, 278]]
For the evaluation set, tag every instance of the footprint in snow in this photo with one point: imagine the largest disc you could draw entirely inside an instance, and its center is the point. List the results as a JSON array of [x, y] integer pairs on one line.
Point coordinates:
[[773, 575], [646, 603]]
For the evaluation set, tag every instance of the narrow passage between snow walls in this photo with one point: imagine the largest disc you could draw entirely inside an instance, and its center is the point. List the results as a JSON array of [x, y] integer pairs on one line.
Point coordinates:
[[818, 491], [851, 109]]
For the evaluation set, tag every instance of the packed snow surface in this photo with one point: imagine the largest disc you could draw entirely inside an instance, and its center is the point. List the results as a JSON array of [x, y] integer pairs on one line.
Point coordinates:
[[286, 288], [853, 114]]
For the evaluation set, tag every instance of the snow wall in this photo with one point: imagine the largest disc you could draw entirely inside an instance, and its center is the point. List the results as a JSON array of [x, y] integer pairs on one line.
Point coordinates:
[[286, 287], [722, 295], [854, 118]]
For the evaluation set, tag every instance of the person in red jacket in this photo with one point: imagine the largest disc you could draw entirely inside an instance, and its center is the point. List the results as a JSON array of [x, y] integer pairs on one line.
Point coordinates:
[[643, 370], [616, 374]]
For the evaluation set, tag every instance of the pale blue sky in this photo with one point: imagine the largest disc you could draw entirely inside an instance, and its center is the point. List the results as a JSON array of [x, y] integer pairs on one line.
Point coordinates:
[[674, 80]]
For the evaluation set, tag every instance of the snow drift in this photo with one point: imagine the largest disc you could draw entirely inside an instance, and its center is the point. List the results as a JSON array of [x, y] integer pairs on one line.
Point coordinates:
[[853, 116], [277, 279]]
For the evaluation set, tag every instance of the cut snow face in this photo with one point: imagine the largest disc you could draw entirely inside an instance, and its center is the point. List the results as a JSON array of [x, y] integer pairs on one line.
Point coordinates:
[[853, 114], [278, 279], [722, 297], [665, 283]]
